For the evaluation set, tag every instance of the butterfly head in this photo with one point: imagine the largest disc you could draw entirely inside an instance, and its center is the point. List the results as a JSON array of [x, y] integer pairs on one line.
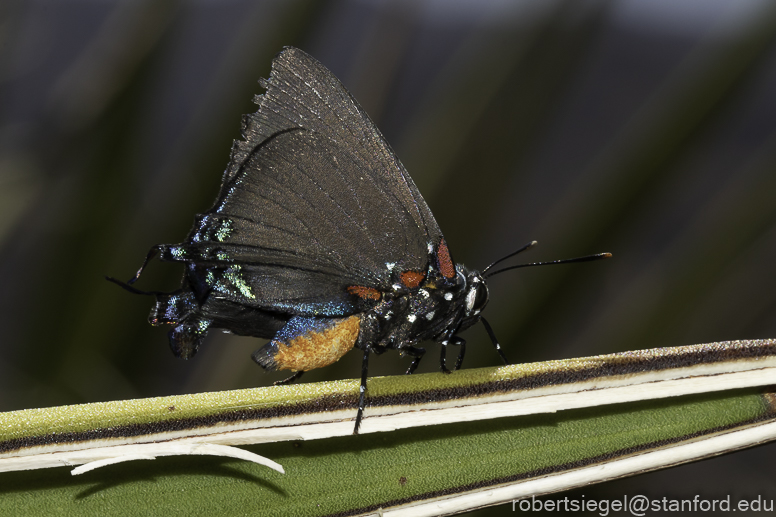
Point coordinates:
[[476, 296]]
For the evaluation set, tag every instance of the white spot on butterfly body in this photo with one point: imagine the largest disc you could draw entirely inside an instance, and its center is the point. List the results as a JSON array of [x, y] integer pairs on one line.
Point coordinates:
[[430, 316], [448, 296], [424, 293], [411, 318]]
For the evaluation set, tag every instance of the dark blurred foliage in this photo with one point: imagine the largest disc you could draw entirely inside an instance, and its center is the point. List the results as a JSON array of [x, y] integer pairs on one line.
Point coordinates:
[[647, 129]]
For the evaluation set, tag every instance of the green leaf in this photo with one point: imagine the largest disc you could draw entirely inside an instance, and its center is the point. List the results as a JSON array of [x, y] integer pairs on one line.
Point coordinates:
[[425, 469]]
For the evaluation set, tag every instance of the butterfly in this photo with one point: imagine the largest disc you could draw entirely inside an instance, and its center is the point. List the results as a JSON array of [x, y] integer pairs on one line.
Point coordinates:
[[320, 241]]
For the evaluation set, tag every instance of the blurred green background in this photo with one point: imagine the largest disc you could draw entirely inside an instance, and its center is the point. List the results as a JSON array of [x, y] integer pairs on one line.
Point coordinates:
[[646, 129]]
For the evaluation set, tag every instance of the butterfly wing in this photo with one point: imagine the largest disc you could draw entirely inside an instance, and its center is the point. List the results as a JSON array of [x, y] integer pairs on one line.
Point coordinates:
[[302, 93], [313, 201]]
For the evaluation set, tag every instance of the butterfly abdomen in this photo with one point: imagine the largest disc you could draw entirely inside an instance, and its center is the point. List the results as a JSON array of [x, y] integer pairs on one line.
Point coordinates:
[[305, 344]]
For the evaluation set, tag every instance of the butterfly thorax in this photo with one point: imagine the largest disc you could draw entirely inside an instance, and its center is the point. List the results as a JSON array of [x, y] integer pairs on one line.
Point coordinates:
[[435, 309]]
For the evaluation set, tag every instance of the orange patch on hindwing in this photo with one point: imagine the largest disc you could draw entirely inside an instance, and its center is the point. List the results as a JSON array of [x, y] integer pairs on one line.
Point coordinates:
[[412, 278], [444, 261], [365, 293], [316, 349]]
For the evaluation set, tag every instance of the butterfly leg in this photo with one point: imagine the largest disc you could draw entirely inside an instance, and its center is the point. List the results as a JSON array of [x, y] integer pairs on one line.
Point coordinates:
[[461, 352], [362, 390], [456, 341], [493, 340], [443, 352], [379, 349], [417, 354], [288, 380]]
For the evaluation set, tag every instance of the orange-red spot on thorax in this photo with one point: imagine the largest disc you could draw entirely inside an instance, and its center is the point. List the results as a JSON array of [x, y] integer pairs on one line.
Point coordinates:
[[445, 263], [365, 293], [412, 278]]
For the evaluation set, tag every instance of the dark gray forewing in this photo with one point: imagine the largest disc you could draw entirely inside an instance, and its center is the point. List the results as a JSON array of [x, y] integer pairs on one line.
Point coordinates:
[[292, 231], [302, 202], [369, 209]]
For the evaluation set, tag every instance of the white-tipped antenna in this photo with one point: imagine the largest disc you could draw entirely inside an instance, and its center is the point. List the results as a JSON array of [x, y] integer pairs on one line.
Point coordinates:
[[502, 259], [587, 258]]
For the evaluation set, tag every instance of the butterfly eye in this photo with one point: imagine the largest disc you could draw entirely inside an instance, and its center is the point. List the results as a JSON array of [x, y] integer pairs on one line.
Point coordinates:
[[476, 296]]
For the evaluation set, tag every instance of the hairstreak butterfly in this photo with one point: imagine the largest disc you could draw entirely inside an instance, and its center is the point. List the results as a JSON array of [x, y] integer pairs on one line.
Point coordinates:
[[319, 240]]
